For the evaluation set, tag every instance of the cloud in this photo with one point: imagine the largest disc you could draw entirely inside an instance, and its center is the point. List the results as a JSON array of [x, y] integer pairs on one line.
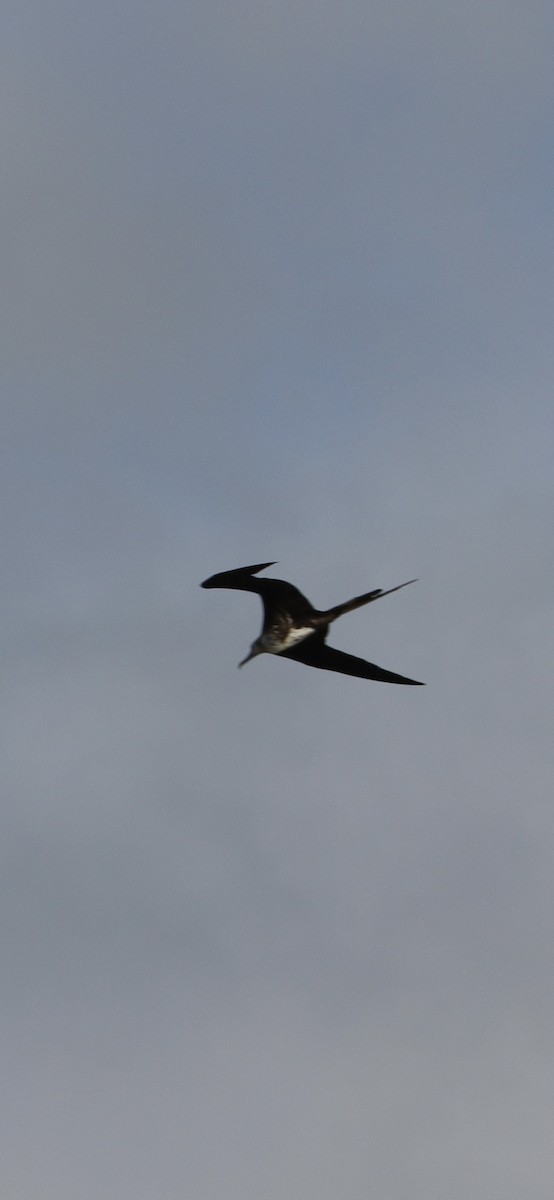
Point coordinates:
[[275, 286]]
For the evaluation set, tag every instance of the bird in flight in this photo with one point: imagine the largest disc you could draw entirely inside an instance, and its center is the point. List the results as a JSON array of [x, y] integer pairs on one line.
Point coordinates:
[[293, 628]]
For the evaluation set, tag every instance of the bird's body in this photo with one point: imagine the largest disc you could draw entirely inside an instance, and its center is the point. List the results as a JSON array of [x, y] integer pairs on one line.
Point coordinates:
[[293, 628], [283, 634]]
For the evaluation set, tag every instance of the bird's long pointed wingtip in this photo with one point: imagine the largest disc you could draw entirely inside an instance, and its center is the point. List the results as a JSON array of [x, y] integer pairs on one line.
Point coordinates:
[[235, 573]]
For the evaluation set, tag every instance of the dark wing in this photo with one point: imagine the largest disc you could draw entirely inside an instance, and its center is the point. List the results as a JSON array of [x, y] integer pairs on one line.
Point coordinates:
[[279, 597], [236, 579], [276, 594], [314, 652]]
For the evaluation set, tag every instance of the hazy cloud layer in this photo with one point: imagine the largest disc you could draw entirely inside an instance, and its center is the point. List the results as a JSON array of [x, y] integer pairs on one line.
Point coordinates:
[[278, 283]]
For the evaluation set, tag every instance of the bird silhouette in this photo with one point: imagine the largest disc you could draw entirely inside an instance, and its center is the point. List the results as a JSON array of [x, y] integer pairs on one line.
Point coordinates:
[[293, 628]]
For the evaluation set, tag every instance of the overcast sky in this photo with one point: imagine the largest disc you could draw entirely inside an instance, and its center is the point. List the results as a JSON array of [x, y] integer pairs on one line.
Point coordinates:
[[277, 283]]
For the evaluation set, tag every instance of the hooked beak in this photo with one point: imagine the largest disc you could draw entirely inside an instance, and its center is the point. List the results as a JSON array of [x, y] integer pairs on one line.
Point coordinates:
[[254, 651]]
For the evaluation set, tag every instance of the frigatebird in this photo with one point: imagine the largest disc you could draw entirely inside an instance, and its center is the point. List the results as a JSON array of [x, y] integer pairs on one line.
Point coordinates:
[[293, 628]]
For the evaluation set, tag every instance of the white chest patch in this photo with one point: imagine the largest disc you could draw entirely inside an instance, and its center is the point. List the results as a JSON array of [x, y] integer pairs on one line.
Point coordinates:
[[275, 644]]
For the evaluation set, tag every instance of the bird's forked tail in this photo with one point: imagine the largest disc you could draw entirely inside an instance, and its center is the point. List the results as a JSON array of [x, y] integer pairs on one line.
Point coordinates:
[[340, 609]]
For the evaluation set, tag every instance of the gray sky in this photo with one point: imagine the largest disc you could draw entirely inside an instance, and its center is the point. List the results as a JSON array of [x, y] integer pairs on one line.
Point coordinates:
[[277, 284]]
